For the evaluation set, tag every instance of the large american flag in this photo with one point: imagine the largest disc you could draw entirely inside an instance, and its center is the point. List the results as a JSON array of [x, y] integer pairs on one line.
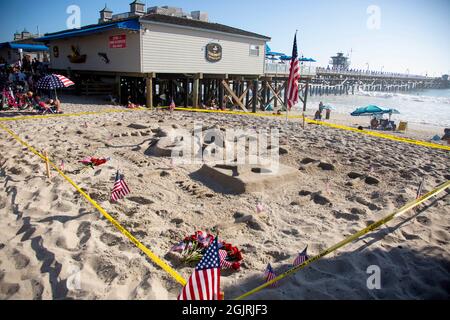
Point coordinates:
[[294, 77], [204, 283], [269, 274], [301, 258], [120, 189]]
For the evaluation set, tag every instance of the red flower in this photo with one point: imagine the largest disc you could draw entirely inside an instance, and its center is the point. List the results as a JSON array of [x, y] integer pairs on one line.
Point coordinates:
[[236, 266]]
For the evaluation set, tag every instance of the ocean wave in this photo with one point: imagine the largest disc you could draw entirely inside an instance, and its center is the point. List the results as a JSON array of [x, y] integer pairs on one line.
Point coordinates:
[[406, 97]]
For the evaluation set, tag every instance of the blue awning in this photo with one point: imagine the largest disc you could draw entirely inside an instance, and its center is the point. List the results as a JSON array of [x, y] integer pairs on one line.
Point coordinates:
[[24, 46], [127, 24]]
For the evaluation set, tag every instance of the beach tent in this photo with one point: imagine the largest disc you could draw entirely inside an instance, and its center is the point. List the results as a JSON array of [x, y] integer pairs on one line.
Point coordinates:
[[372, 110]]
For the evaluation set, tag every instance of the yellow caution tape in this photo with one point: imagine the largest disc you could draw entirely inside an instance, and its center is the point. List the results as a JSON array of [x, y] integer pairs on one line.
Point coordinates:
[[331, 125], [78, 114], [351, 238], [124, 231]]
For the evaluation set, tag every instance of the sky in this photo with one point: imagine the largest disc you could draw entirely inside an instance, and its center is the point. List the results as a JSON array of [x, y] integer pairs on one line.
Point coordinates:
[[390, 35]]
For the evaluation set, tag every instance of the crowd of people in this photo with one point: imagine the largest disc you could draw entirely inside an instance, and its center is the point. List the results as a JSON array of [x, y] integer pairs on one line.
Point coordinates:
[[18, 87]]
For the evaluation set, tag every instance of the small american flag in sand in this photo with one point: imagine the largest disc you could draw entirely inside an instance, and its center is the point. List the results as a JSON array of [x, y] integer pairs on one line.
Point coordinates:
[[259, 208], [204, 284], [172, 106], [420, 189], [269, 274], [301, 258], [224, 264], [120, 189]]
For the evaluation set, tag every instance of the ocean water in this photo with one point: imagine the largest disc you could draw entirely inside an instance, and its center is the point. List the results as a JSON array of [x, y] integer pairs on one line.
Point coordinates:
[[431, 107]]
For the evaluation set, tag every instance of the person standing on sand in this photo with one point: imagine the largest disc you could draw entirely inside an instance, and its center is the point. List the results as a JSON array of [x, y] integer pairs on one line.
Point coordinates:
[[328, 114]]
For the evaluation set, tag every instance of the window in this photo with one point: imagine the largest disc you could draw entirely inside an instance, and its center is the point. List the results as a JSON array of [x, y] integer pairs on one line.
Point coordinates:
[[254, 50]]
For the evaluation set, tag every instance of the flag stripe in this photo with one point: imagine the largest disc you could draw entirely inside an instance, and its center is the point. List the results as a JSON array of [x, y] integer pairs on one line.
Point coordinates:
[[204, 283], [294, 77]]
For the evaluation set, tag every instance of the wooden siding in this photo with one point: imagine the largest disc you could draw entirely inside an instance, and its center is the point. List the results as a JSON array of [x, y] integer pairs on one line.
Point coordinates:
[[121, 60], [171, 49]]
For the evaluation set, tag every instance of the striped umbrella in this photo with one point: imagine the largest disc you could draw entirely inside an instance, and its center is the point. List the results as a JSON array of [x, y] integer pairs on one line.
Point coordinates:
[[53, 82]]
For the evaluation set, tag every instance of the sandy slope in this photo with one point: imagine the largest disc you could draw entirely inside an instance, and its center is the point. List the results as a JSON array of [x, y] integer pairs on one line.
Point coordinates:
[[48, 230]]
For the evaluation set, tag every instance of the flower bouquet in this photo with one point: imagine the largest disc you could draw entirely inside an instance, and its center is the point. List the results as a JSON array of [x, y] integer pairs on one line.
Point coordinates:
[[193, 247]]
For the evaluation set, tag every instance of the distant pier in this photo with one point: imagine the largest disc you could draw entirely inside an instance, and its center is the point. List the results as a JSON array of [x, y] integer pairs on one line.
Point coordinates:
[[323, 82]]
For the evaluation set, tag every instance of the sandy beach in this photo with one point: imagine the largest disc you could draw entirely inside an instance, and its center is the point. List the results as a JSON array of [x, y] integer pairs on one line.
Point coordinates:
[[345, 181]]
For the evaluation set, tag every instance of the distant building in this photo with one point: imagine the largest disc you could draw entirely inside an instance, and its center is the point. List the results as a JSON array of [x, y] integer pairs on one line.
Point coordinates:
[[137, 8], [340, 62], [24, 35], [130, 50]]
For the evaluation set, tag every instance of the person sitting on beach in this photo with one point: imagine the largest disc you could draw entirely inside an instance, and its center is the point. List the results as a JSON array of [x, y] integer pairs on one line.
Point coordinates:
[[131, 105], [41, 105], [55, 105], [318, 115], [374, 123]]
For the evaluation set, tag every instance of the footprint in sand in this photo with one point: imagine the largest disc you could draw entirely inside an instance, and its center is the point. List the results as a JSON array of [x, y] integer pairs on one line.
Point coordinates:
[[21, 261], [84, 232], [105, 271], [110, 240]]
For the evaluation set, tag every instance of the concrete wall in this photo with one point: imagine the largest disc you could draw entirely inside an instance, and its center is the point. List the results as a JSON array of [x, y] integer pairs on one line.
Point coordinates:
[[121, 60], [171, 49]]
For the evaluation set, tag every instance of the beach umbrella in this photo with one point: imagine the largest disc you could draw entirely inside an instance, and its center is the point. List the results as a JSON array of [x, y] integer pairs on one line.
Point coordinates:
[[53, 82], [328, 107], [285, 58], [370, 110]]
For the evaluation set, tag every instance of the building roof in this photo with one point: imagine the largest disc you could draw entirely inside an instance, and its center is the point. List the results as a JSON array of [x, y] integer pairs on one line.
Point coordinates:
[[133, 23], [197, 24], [138, 2], [24, 46], [106, 9], [130, 24]]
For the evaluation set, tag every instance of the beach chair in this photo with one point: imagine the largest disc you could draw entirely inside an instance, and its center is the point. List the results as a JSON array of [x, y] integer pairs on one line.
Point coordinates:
[[402, 126]]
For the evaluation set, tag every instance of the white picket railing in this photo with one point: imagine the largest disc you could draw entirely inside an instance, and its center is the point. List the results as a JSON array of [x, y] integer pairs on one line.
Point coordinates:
[[283, 69]]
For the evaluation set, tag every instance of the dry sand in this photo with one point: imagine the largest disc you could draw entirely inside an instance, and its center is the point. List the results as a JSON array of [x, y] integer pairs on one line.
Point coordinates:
[[49, 231]]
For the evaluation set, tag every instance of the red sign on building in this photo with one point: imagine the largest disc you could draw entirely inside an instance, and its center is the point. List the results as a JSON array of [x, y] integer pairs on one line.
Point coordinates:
[[118, 42]]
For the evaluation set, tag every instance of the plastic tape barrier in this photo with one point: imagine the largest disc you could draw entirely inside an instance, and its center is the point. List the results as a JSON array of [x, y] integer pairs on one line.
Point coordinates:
[[351, 238], [124, 231]]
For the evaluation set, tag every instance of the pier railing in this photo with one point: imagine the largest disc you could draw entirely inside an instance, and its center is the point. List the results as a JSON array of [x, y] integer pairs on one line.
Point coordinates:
[[283, 69], [368, 73]]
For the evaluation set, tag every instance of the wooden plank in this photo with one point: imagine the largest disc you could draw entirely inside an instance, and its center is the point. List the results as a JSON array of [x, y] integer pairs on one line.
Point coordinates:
[[150, 93], [276, 93], [233, 95], [195, 89]]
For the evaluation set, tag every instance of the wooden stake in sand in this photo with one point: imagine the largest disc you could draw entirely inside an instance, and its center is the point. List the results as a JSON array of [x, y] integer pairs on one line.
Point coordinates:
[[47, 165]]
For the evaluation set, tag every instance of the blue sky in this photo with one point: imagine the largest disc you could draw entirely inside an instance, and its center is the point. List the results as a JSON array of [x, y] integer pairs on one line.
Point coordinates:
[[412, 34]]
